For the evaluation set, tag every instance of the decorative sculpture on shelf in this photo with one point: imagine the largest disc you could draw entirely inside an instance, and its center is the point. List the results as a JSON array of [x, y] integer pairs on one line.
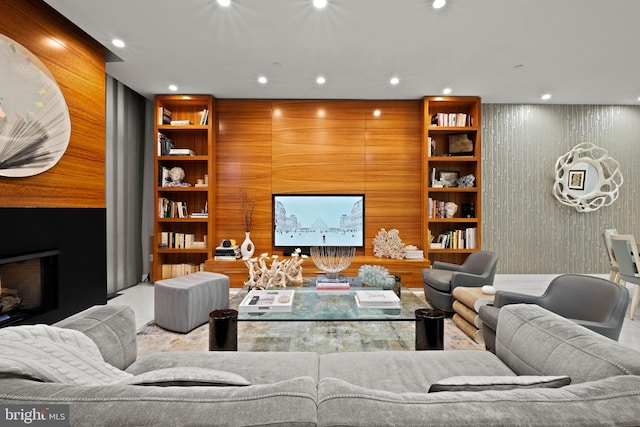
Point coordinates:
[[278, 275], [388, 244], [450, 209], [332, 259], [587, 178], [466, 181]]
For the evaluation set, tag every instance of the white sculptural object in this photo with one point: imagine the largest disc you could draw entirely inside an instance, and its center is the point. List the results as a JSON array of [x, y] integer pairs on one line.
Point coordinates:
[[278, 275], [450, 209], [388, 244]]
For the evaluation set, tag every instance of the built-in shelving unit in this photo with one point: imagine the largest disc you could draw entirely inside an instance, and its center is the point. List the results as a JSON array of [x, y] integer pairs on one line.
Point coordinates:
[[182, 239], [445, 120]]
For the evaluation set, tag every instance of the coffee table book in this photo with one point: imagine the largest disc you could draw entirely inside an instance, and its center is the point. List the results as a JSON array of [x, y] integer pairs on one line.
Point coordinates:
[[377, 299], [258, 301]]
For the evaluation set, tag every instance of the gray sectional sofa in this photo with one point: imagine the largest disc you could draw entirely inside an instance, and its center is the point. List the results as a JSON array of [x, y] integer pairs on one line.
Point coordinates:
[[534, 348]]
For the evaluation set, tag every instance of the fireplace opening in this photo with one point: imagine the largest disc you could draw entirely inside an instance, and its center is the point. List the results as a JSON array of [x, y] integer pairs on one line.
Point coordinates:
[[28, 286]]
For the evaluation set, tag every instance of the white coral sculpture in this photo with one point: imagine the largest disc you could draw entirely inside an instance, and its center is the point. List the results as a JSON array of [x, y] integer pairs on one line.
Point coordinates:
[[278, 275], [388, 244]]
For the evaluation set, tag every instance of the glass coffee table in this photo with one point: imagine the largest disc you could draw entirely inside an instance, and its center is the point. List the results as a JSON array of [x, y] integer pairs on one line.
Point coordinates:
[[311, 304], [332, 308]]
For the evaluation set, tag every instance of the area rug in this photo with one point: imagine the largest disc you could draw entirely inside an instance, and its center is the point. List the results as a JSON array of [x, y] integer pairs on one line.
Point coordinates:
[[320, 337]]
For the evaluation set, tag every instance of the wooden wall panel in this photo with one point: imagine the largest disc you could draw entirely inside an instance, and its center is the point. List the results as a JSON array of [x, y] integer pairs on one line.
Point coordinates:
[[77, 63], [318, 146], [393, 168], [243, 162], [280, 146]]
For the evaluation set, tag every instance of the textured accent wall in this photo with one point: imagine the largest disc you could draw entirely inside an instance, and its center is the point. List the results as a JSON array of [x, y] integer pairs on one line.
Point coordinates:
[[522, 221]]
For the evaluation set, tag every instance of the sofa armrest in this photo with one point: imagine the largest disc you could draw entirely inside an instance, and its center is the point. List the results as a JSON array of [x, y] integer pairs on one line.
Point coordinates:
[[441, 265], [459, 278], [112, 328], [503, 298]]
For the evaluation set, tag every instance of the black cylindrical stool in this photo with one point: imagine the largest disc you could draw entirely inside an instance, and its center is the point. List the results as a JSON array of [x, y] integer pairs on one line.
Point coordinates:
[[429, 329], [223, 330]]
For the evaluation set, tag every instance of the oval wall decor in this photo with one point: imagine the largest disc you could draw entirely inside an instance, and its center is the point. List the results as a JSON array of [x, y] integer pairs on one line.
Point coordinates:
[[34, 120], [587, 178]]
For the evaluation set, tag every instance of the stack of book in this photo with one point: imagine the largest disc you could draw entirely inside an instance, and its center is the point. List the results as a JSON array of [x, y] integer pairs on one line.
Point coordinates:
[[181, 152], [377, 299], [180, 122], [331, 284], [231, 253], [414, 254]]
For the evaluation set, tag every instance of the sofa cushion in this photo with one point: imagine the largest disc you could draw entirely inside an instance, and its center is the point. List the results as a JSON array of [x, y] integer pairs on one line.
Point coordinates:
[[610, 401], [284, 403], [439, 279], [481, 383], [408, 371], [535, 341], [187, 376], [257, 368]]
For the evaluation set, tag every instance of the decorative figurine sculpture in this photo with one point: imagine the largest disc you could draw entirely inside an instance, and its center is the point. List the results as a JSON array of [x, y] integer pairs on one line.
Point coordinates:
[[388, 244], [278, 275], [450, 209]]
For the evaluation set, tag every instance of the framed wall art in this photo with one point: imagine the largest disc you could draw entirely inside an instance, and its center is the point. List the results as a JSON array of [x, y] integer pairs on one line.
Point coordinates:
[[34, 119]]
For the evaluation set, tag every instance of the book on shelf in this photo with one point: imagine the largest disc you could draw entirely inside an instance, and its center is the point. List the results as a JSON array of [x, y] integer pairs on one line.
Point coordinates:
[[164, 116], [181, 152], [431, 147], [267, 300], [204, 118], [164, 144], [465, 238], [227, 253], [170, 271], [176, 240], [199, 215], [180, 122], [377, 299], [452, 119]]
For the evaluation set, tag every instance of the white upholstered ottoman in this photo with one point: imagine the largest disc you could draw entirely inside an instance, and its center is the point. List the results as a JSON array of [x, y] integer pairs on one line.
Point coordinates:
[[184, 303]]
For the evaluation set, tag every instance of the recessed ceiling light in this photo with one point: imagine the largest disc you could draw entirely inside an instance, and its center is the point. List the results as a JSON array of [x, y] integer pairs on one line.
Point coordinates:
[[117, 43], [437, 4], [546, 96], [446, 91], [320, 4], [376, 113], [173, 88], [394, 81], [262, 80], [321, 80], [224, 3]]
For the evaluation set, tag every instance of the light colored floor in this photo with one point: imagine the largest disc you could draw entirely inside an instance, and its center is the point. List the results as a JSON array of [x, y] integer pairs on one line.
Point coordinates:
[[140, 297]]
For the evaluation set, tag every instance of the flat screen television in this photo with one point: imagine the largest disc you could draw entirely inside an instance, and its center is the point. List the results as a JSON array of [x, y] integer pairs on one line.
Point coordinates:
[[305, 220]]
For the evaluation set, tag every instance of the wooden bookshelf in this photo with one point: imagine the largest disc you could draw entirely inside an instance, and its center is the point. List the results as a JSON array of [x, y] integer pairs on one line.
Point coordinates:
[[437, 158], [175, 230]]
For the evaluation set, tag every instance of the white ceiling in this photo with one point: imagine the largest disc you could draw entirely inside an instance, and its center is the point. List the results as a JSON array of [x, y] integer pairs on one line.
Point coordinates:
[[505, 51]]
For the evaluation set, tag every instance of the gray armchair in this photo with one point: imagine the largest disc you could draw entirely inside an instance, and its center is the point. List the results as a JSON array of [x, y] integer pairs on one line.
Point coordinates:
[[442, 278], [595, 303]]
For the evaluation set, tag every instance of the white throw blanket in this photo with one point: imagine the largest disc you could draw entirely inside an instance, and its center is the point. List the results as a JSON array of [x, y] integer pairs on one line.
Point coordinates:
[[52, 354]]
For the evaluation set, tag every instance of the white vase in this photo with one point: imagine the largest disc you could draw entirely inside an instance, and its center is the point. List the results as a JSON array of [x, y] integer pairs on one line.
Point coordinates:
[[247, 248]]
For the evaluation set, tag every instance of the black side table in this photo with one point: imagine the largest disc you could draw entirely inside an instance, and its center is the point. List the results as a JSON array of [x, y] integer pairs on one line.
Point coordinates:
[[429, 329], [223, 330]]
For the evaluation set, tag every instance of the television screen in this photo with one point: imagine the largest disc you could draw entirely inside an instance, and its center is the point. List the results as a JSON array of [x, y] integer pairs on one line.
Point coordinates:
[[305, 220]]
